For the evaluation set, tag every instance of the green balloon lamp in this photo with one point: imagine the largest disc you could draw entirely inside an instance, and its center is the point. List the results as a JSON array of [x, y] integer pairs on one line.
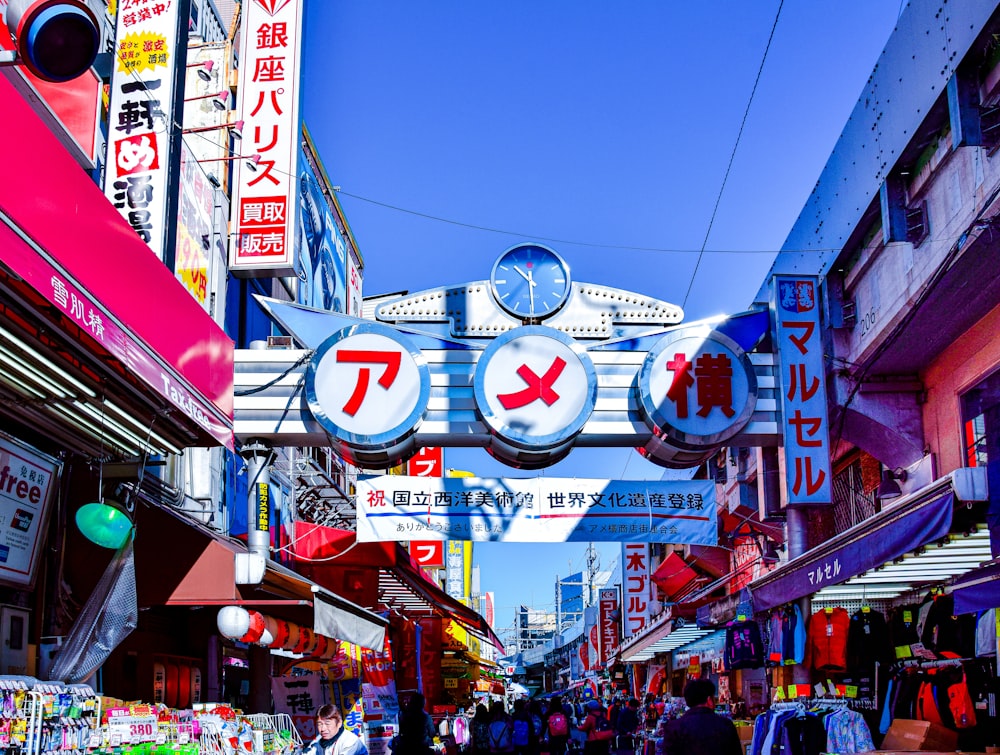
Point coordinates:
[[105, 523]]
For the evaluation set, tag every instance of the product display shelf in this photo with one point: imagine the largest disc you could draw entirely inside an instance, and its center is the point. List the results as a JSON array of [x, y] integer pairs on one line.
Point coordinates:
[[20, 714], [39, 718], [255, 734]]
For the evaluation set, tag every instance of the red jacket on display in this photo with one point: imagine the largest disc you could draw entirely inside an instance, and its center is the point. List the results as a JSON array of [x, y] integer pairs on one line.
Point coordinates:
[[826, 640]]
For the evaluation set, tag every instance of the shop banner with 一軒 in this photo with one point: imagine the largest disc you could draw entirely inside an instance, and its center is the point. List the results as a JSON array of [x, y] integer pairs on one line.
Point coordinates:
[[538, 510], [299, 697]]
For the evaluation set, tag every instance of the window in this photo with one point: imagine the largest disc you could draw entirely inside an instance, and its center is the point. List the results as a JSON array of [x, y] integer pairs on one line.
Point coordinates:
[[981, 422]]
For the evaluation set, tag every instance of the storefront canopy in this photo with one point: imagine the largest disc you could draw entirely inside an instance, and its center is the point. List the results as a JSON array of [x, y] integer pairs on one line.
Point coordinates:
[[979, 589], [676, 578], [86, 360], [180, 562], [327, 552], [860, 561]]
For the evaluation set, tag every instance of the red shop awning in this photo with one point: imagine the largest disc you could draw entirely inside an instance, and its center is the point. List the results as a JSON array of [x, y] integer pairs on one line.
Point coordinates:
[[69, 251], [676, 578], [379, 575]]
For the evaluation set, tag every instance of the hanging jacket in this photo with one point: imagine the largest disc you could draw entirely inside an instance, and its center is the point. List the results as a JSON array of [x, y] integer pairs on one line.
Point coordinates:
[[826, 642], [744, 648], [868, 641]]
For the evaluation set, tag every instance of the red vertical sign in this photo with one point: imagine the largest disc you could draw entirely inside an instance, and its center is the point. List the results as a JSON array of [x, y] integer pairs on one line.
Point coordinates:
[[428, 462], [609, 624]]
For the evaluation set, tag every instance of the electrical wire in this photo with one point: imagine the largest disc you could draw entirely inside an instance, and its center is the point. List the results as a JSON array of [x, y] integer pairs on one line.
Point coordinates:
[[732, 157]]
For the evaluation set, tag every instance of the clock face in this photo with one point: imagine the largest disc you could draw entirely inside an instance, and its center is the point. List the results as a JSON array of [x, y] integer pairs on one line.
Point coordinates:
[[530, 281]]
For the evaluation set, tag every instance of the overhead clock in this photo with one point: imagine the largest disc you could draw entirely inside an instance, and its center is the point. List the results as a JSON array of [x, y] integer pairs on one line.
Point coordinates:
[[530, 281]]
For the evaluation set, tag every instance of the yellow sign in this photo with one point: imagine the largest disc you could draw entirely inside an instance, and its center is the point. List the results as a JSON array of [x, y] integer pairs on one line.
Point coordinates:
[[137, 52]]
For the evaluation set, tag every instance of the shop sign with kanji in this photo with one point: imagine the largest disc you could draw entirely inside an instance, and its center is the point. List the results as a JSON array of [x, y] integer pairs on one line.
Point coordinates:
[[799, 343]]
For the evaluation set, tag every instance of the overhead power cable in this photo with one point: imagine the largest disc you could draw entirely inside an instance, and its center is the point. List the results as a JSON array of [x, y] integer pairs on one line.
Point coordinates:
[[732, 157]]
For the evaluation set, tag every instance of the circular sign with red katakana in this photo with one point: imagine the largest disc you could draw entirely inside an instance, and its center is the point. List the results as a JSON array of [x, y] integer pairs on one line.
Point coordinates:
[[535, 387], [368, 386], [696, 388]]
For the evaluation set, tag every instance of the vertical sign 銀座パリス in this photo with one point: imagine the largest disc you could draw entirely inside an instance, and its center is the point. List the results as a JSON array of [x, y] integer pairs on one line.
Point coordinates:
[[265, 198]]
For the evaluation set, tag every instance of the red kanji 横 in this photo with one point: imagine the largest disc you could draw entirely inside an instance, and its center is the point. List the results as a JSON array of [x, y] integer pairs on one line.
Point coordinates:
[[715, 384], [391, 360], [538, 387], [678, 391]]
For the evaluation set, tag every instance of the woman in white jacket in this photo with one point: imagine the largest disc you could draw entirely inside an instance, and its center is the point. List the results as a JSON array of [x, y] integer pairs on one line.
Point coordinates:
[[333, 738]]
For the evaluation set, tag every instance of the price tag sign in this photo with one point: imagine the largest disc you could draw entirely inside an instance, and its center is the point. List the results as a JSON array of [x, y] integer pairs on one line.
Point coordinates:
[[851, 691], [779, 693], [161, 738], [820, 689], [94, 741], [183, 737], [132, 728]]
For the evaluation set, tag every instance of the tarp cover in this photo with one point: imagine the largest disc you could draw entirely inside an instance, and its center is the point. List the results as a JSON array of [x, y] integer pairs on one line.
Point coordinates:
[[339, 618], [979, 589], [886, 536]]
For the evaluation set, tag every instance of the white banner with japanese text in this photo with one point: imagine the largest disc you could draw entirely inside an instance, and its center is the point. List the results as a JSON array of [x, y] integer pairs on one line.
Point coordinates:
[[539, 510], [141, 117]]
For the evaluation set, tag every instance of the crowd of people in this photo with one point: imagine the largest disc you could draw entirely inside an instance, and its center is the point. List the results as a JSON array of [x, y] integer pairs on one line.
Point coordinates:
[[621, 726]]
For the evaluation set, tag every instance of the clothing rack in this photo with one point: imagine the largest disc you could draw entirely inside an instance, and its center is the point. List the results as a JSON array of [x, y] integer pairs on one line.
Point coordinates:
[[919, 663]]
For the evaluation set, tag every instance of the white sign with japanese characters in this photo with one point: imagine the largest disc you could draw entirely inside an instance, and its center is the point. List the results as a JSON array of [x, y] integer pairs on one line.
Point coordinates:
[[540, 510], [28, 480], [635, 588], [141, 117], [803, 390]]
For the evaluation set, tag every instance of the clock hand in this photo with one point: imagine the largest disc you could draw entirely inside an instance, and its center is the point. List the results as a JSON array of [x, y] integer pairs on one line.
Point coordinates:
[[531, 291], [520, 272]]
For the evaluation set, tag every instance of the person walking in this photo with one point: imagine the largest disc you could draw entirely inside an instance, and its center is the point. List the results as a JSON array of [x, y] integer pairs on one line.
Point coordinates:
[[501, 730], [416, 729], [481, 731], [557, 727], [701, 731], [332, 737], [627, 727], [523, 735], [598, 730]]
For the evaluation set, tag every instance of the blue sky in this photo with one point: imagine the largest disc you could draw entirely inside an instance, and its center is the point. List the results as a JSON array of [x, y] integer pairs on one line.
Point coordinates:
[[605, 130]]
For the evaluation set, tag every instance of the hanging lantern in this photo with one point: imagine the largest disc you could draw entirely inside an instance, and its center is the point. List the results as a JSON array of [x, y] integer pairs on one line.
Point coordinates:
[[280, 634], [170, 694], [256, 628], [294, 631], [332, 648], [233, 622], [183, 686], [307, 638], [321, 644], [270, 631]]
